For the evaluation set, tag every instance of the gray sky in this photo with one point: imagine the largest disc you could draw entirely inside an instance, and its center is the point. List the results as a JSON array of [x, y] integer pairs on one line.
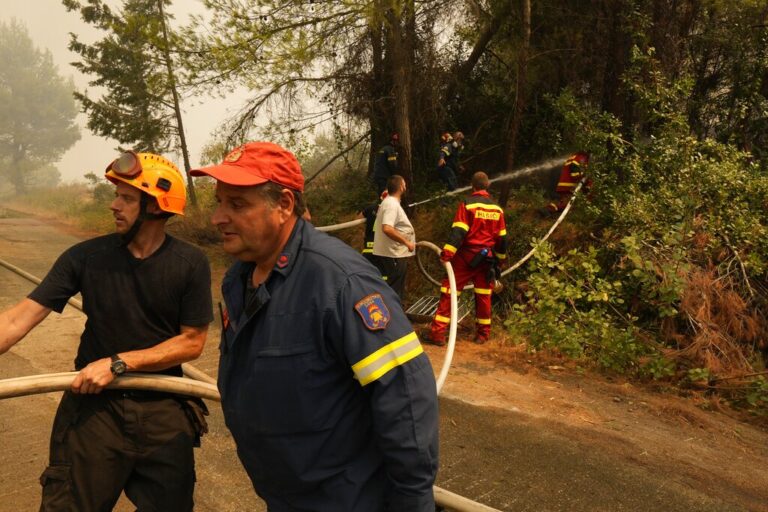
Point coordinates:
[[49, 25]]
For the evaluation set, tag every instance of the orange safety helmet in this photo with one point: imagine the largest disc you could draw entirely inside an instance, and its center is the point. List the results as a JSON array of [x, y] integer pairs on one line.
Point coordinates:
[[156, 176]]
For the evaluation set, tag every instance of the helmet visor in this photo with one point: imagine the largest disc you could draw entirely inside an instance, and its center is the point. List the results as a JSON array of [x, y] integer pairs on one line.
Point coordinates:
[[126, 165]]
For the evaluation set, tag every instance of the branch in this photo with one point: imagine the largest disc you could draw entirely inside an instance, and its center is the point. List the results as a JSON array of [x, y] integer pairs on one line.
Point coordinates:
[[337, 156]]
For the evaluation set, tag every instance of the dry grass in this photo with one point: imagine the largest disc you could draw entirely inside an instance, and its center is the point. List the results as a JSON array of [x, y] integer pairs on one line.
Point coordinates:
[[722, 327]]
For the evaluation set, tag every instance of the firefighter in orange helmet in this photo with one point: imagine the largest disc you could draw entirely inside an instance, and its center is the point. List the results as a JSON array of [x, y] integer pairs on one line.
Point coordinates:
[[574, 171], [147, 296]]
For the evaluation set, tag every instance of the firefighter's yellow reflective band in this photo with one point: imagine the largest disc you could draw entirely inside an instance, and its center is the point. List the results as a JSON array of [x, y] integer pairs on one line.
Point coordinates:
[[484, 206], [367, 251], [484, 321], [387, 357], [483, 291], [503, 232], [501, 255], [460, 225], [563, 184], [449, 247], [444, 289], [442, 319]]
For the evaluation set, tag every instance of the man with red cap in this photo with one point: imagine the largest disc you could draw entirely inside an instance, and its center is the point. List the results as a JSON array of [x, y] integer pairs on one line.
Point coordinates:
[[324, 384]]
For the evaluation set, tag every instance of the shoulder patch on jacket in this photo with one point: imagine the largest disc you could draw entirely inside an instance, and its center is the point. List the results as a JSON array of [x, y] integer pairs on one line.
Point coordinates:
[[373, 311]]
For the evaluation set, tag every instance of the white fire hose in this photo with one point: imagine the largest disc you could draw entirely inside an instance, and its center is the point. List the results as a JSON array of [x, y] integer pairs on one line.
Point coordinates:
[[202, 385], [35, 384]]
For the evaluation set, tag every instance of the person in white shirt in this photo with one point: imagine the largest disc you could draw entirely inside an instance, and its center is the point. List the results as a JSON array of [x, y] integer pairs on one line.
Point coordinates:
[[394, 239]]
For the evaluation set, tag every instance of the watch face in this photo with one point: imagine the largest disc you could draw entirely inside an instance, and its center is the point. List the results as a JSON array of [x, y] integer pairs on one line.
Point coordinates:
[[118, 367]]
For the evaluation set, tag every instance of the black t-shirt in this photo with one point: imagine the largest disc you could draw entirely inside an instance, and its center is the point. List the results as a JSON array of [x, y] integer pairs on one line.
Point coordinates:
[[131, 303]]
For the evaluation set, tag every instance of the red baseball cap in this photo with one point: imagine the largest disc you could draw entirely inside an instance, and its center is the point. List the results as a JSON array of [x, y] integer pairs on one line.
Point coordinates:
[[255, 163]]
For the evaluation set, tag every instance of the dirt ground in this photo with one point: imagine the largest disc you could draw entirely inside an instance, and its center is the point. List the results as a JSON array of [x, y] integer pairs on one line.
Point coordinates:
[[517, 432]]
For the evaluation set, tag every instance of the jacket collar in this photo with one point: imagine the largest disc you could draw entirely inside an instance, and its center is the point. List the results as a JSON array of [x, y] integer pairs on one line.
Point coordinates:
[[287, 258], [483, 193], [285, 261]]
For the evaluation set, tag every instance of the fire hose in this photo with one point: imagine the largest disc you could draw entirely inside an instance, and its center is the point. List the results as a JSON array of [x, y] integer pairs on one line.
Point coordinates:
[[24, 386], [201, 385]]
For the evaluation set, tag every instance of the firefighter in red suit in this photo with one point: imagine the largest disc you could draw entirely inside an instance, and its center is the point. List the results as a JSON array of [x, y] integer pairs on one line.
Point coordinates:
[[574, 171], [478, 237]]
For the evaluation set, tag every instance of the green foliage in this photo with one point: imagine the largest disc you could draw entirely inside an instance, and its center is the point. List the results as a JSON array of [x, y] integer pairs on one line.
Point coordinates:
[[757, 394], [699, 375], [668, 206], [574, 307], [137, 108], [37, 111]]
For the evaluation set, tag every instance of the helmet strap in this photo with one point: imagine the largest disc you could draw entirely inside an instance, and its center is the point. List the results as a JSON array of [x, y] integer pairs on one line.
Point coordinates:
[[128, 237]]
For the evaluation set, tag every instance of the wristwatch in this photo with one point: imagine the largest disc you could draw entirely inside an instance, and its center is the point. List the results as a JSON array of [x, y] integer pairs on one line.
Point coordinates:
[[118, 366]]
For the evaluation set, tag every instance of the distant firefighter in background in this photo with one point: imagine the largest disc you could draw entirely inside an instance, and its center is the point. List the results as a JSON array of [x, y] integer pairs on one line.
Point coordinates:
[[574, 171], [448, 165], [385, 164]]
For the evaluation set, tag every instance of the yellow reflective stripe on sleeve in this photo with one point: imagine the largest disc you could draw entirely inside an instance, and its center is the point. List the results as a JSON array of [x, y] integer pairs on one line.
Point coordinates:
[[369, 244], [393, 157], [501, 256], [449, 247], [484, 321], [503, 232], [460, 225], [563, 184], [483, 205], [575, 174], [386, 358], [443, 289], [367, 251], [442, 319], [446, 151], [483, 291]]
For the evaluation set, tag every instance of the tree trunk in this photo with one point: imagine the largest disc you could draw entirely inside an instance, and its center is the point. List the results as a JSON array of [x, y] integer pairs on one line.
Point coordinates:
[[177, 108], [17, 173], [520, 92], [402, 45], [376, 120]]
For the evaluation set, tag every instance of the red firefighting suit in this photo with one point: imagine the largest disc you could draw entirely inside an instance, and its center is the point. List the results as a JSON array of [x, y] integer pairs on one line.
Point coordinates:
[[573, 172], [478, 224]]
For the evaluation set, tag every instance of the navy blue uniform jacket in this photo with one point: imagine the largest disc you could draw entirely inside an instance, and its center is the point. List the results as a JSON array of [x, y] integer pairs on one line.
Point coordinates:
[[325, 387]]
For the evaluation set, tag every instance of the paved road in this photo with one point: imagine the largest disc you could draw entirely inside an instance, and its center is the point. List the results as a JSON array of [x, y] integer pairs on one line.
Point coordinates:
[[505, 459]]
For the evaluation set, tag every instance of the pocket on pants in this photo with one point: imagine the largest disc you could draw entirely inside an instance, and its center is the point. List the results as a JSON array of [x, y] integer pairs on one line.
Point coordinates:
[[57, 489]]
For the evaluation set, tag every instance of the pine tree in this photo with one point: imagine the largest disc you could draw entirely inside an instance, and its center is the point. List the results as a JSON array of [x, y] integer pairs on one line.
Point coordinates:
[[138, 105]]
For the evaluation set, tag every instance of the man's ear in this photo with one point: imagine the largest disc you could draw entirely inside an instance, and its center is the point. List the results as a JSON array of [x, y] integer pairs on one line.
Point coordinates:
[[287, 202]]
